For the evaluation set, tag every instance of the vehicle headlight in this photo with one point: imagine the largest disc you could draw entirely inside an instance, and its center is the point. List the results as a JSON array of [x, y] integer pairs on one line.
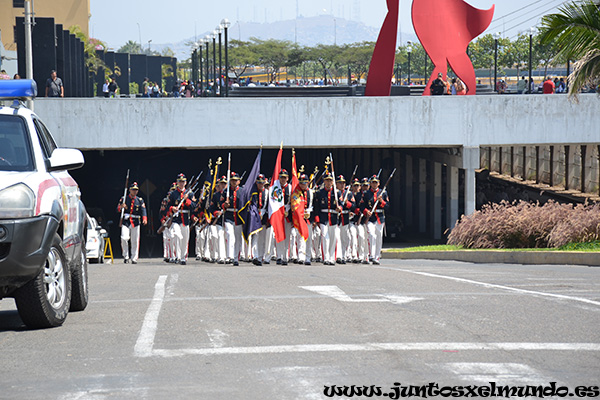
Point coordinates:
[[17, 201]]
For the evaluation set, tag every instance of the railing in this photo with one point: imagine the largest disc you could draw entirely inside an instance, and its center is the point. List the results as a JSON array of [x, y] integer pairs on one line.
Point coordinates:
[[568, 166]]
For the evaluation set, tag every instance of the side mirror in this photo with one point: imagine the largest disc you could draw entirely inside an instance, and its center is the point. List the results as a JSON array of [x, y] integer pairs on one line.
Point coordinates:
[[66, 159]]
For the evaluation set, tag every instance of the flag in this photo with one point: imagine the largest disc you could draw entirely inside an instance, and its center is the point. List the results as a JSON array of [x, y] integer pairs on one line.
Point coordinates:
[[297, 205], [249, 212], [276, 204]]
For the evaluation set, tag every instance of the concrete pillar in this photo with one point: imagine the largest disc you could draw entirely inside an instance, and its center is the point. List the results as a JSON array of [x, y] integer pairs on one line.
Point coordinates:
[[451, 196], [470, 164], [422, 195], [436, 207], [408, 192]]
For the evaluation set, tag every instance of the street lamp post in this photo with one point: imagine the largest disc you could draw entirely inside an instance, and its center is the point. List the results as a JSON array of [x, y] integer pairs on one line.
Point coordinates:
[[496, 37], [530, 83], [225, 24], [207, 41], [409, 50], [214, 40], [219, 29], [199, 45]]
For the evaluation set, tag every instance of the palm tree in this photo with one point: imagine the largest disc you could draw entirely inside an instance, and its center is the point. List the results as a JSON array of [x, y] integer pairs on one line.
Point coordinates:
[[576, 30]]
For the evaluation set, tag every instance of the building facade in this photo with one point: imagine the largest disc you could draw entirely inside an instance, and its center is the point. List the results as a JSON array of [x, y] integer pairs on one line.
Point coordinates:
[[64, 12]]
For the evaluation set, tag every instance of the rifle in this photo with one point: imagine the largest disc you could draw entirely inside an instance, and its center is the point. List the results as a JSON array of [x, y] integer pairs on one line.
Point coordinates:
[[124, 196], [242, 177], [350, 185], [228, 181], [383, 190], [169, 221], [334, 188]]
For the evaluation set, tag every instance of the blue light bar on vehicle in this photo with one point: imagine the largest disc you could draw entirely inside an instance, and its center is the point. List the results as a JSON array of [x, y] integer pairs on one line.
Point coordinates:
[[17, 89]]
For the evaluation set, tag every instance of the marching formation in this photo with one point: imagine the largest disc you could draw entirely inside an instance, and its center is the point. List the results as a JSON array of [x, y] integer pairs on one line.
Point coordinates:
[[292, 217]]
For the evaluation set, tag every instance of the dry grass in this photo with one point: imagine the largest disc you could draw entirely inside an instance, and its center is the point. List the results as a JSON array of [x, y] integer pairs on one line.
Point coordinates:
[[526, 225]]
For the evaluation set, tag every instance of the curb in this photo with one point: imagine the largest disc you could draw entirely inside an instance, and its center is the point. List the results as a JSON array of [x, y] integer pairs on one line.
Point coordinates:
[[508, 257]]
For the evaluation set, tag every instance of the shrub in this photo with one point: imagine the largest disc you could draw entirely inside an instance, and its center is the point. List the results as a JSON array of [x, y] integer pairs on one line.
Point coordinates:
[[526, 225]]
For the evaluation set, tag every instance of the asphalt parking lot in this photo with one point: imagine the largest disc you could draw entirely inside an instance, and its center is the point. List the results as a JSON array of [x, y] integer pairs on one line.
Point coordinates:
[[205, 331]]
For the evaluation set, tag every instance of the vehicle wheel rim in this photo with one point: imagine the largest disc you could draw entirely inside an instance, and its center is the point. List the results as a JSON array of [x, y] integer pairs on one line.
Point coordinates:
[[54, 279]]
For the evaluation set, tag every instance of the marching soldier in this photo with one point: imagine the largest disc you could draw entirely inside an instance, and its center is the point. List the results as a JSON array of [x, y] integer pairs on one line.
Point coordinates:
[[377, 200], [361, 222], [199, 223], [257, 240], [304, 196], [217, 232], [327, 216], [180, 206], [270, 234], [353, 247], [134, 215], [163, 215], [346, 202], [283, 246], [233, 222]]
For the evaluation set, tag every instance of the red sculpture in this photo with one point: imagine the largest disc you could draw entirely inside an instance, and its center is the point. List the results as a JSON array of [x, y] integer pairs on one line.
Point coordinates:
[[381, 69], [445, 28]]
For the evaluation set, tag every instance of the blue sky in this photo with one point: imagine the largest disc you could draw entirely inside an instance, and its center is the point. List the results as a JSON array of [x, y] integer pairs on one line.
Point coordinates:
[[117, 21]]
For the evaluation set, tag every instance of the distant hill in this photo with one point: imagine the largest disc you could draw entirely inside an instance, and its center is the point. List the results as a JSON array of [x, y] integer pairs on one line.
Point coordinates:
[[304, 31]]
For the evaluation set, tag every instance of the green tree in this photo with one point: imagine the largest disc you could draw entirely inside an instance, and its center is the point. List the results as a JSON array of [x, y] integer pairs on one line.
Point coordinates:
[[272, 54], [575, 31], [358, 57], [482, 53], [517, 53], [241, 55], [90, 45], [326, 57], [544, 54], [167, 52], [131, 47]]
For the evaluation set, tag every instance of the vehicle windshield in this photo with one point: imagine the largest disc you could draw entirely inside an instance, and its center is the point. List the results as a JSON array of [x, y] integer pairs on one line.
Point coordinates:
[[15, 151]]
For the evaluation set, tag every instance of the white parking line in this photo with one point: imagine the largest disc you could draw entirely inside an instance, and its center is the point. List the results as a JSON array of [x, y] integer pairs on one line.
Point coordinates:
[[495, 286], [145, 342], [326, 348]]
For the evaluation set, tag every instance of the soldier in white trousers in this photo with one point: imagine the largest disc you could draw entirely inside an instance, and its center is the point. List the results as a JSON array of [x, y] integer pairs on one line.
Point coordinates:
[[133, 210]]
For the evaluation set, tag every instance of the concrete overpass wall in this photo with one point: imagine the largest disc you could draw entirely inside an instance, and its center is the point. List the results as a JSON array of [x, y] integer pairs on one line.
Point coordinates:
[[436, 141], [471, 121]]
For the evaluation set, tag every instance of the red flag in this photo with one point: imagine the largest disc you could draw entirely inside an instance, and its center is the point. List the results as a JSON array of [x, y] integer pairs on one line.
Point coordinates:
[[298, 203], [276, 205]]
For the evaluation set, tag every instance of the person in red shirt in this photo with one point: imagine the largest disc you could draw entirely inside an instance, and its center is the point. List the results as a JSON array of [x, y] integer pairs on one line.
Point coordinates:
[[549, 86]]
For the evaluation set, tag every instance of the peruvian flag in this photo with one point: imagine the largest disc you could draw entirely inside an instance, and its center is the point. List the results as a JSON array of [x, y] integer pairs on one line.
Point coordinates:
[[297, 203], [276, 205]]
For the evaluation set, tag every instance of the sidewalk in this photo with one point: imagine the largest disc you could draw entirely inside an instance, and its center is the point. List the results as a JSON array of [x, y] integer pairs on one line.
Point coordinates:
[[498, 256]]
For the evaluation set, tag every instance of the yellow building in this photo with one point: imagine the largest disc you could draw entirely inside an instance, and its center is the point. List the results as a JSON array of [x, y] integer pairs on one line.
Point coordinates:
[[65, 12]]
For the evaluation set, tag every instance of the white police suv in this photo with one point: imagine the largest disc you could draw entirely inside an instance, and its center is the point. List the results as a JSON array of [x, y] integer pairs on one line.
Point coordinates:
[[43, 262]]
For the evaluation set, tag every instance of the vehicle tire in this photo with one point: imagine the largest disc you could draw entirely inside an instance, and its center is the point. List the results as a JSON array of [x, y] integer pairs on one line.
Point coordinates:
[[44, 301], [80, 293]]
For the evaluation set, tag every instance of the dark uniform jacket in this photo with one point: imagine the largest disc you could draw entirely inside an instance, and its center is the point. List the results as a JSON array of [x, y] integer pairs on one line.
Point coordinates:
[[370, 197], [287, 192], [260, 200], [216, 205], [135, 210], [325, 207], [182, 216], [231, 213], [347, 204], [359, 207]]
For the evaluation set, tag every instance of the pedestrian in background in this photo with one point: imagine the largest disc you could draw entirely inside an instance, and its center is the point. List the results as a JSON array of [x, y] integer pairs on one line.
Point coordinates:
[[105, 88], [54, 86]]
